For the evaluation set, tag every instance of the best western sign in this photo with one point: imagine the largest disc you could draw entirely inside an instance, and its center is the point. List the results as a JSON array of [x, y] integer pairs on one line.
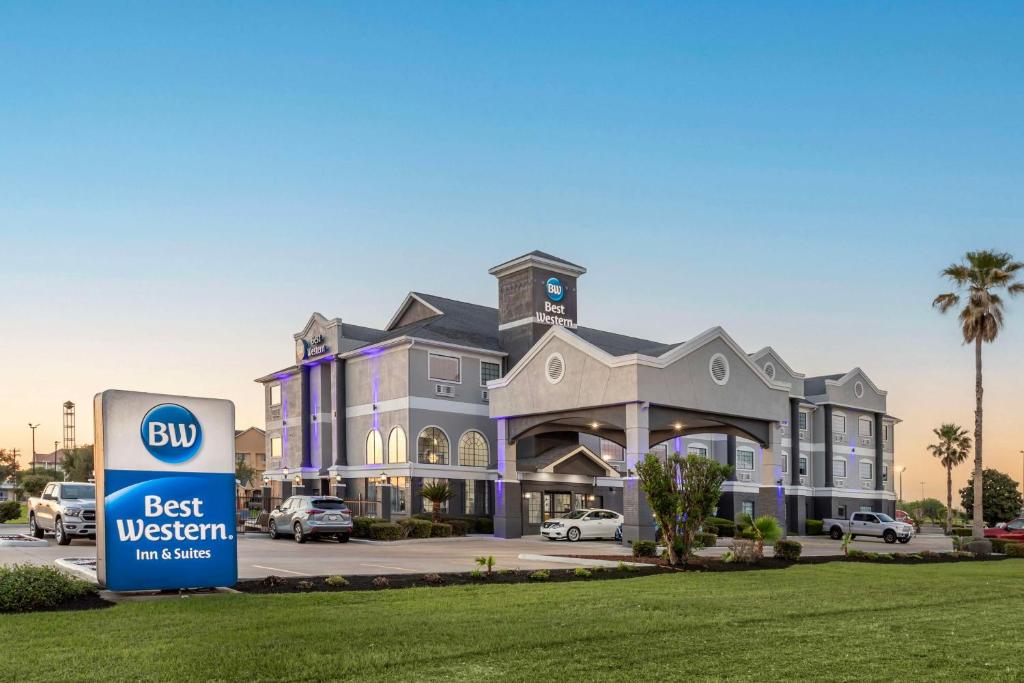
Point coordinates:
[[165, 491], [553, 308]]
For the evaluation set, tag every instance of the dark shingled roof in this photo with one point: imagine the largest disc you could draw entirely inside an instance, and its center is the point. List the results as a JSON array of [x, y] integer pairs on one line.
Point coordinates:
[[476, 326], [815, 386]]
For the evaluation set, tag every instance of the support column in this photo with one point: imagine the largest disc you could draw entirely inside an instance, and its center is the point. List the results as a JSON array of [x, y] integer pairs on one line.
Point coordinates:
[[730, 455], [508, 496], [385, 502], [879, 459], [639, 523], [306, 422], [796, 508], [829, 481], [266, 498], [338, 423]]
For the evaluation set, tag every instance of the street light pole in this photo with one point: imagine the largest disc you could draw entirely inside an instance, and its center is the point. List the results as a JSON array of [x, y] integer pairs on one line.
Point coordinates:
[[33, 428], [900, 470]]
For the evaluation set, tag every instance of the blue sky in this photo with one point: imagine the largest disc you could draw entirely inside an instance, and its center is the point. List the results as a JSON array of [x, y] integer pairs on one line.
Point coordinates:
[[182, 184]]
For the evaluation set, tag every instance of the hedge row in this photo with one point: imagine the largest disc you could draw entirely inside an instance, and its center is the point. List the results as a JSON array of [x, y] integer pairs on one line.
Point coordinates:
[[28, 587]]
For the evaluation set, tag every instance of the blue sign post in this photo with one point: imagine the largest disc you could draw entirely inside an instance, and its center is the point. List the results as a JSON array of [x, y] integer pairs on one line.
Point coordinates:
[[165, 492]]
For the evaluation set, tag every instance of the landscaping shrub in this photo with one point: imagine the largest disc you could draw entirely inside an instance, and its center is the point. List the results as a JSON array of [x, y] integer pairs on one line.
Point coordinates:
[[710, 529], [623, 567], [725, 527], [746, 533], [788, 550], [460, 527], [644, 548], [582, 573], [1014, 549], [27, 587], [743, 550], [305, 584], [706, 540], [540, 575], [961, 531], [336, 581], [433, 579], [9, 509], [415, 528], [476, 575], [385, 531], [381, 582], [814, 527], [361, 526], [440, 530]]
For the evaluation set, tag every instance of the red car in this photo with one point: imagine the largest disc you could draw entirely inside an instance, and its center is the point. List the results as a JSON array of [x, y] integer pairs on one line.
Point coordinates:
[[1014, 531]]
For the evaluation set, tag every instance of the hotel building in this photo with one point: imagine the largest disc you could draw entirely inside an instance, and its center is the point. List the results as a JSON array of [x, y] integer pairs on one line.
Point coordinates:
[[528, 414]]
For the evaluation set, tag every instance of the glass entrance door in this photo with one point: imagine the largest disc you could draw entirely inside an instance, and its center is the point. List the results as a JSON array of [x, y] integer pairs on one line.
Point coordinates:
[[556, 503]]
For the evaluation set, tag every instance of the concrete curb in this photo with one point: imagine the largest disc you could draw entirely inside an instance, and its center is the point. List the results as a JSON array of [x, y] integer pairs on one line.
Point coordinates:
[[81, 567], [578, 561], [22, 541]]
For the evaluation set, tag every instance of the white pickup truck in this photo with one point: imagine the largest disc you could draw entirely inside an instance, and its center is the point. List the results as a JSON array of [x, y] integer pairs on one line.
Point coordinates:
[[877, 524], [66, 508]]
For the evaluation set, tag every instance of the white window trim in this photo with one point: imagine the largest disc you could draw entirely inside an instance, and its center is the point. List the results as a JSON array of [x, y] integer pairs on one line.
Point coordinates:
[[870, 465], [804, 464], [806, 417], [430, 354], [705, 454], [280, 453], [725, 363], [785, 461], [438, 427], [752, 456], [280, 395], [366, 447], [482, 361], [843, 461], [846, 422], [387, 446], [861, 421]]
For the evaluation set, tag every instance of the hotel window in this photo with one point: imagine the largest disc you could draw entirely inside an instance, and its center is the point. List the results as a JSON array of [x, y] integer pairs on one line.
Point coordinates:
[[612, 451], [694, 449], [885, 433], [747, 508], [275, 394], [399, 494], [397, 448], [838, 423], [470, 497], [275, 447], [867, 470], [885, 473], [744, 459], [803, 420], [661, 450], [533, 508], [432, 447], [473, 449], [427, 505], [488, 372], [803, 466], [374, 448], [785, 461], [839, 467], [444, 368], [865, 426]]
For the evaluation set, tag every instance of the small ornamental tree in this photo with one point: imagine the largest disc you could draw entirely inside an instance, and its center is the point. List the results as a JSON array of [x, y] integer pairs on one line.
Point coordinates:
[[682, 492], [437, 493]]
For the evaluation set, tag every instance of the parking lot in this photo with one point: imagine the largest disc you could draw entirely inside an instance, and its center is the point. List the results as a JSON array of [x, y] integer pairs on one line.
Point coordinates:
[[258, 556]]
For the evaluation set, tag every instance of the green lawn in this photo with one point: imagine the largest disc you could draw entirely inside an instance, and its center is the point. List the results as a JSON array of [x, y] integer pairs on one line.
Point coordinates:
[[833, 622]]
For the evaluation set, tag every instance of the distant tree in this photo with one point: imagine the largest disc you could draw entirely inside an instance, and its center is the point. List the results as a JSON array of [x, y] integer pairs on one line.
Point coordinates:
[[928, 508], [78, 463], [999, 491], [33, 483], [244, 473], [979, 278], [8, 465], [437, 493], [952, 447]]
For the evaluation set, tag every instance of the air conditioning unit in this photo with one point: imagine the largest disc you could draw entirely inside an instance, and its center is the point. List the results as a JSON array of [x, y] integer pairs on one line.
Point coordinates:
[[838, 438], [805, 435], [484, 396], [745, 476], [840, 483], [865, 441], [803, 481], [444, 390]]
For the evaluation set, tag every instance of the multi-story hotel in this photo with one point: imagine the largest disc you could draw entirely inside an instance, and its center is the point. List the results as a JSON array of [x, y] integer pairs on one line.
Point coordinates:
[[527, 414]]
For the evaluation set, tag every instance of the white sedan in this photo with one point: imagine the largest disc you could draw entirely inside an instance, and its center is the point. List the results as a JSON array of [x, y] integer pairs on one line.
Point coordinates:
[[580, 524]]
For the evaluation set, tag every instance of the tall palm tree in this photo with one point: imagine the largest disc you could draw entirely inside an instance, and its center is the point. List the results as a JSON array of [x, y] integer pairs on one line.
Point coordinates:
[[952, 448], [978, 278]]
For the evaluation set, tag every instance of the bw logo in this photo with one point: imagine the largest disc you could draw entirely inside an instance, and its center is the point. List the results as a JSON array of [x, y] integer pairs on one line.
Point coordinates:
[[171, 433]]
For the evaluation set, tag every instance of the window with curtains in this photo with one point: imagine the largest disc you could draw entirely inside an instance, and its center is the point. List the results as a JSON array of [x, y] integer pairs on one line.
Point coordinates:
[[432, 447], [374, 448], [473, 449], [397, 447], [444, 368], [839, 468], [697, 449], [866, 426], [838, 423]]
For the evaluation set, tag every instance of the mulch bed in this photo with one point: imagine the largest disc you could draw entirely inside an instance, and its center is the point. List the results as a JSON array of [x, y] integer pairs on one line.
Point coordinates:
[[76, 605], [279, 584]]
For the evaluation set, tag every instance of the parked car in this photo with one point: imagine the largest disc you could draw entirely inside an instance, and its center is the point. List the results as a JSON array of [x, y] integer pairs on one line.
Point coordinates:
[[306, 517], [1013, 531], [877, 524], [580, 524], [65, 508]]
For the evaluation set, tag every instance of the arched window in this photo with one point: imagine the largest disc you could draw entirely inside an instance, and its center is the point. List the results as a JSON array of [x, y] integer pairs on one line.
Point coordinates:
[[473, 449], [374, 448], [432, 447], [397, 451]]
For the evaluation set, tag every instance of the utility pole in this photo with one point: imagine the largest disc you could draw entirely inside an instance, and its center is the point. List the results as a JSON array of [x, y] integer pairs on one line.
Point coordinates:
[[55, 458], [33, 428], [922, 490], [900, 471]]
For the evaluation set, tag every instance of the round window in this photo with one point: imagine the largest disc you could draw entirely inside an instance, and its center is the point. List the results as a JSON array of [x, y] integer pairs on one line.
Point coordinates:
[[769, 370], [555, 368], [858, 389], [719, 367]]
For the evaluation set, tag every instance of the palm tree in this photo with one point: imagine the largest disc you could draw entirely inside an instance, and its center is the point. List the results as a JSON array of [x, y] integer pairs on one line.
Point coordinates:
[[953, 447], [437, 493], [979, 277]]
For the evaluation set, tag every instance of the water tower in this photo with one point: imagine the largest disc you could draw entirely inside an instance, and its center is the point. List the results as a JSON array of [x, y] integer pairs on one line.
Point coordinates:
[[69, 426]]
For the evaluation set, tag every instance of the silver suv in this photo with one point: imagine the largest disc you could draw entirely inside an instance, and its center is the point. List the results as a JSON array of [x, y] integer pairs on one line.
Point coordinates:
[[310, 516]]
